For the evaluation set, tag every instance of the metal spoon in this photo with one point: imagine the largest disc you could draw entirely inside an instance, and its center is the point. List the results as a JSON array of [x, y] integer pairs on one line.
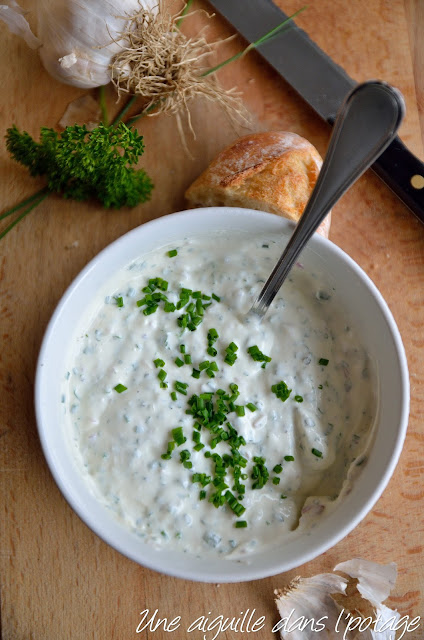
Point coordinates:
[[365, 125]]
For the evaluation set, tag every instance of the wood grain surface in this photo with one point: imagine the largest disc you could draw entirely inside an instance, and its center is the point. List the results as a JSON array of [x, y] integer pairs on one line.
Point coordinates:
[[58, 579]]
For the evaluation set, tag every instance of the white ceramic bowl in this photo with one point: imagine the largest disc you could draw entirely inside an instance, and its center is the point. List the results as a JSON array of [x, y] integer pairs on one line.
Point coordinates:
[[370, 315]]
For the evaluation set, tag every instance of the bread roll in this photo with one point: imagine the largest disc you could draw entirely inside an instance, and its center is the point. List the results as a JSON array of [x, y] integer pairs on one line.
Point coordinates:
[[273, 171]]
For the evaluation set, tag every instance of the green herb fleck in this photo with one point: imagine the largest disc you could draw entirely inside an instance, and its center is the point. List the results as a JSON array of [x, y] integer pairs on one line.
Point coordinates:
[[281, 390], [258, 356]]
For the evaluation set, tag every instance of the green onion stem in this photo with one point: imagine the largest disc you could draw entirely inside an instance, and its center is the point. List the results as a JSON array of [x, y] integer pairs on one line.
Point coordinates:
[[253, 45], [183, 13], [124, 110], [142, 114], [23, 214], [35, 196]]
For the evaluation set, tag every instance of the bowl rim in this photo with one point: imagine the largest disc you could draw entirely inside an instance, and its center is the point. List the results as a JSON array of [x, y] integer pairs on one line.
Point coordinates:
[[248, 572]]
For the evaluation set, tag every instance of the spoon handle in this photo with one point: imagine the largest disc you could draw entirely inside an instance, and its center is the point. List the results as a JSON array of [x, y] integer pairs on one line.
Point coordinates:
[[366, 124]]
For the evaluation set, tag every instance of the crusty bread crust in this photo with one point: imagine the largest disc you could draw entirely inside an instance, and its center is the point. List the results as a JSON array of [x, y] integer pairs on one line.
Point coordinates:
[[273, 171]]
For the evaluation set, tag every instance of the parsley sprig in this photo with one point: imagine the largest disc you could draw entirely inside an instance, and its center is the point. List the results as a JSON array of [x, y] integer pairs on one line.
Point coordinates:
[[82, 164]]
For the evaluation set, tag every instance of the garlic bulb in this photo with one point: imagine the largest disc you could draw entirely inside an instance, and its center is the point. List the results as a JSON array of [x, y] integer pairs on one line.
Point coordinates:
[[136, 44], [330, 607], [78, 39]]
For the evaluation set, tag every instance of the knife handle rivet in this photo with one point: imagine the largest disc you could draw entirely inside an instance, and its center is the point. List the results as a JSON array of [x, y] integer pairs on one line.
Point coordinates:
[[417, 181]]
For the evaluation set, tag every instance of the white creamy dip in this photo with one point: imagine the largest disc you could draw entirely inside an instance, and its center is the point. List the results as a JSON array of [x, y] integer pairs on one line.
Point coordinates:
[[317, 435]]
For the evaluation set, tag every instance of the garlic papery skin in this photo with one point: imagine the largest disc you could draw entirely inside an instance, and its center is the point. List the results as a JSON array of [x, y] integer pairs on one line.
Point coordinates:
[[375, 581], [307, 609], [12, 14], [337, 608], [80, 38]]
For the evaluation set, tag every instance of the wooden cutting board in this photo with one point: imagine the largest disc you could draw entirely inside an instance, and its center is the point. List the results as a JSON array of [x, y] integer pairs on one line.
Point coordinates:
[[59, 580]]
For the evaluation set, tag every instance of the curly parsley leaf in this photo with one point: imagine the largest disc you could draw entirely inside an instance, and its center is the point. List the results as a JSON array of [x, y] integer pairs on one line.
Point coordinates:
[[82, 164]]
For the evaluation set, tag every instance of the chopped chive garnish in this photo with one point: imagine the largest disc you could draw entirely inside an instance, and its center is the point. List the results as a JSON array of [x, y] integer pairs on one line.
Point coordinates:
[[167, 455], [162, 375], [278, 468], [289, 458], [252, 407], [178, 436], [240, 410], [173, 395], [240, 524], [283, 497], [181, 387], [202, 494], [187, 358], [258, 356], [233, 503], [159, 362], [120, 388], [182, 348], [298, 398], [281, 390], [196, 373], [317, 453], [260, 473], [149, 310], [199, 446], [231, 355], [179, 362], [320, 386], [323, 362], [119, 301], [215, 297], [169, 307], [276, 480], [172, 253]]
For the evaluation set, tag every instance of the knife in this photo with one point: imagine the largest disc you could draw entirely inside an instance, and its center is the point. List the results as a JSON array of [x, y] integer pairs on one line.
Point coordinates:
[[323, 84]]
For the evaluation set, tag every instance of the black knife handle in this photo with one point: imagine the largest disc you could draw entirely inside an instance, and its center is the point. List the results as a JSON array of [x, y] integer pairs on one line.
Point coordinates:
[[397, 167]]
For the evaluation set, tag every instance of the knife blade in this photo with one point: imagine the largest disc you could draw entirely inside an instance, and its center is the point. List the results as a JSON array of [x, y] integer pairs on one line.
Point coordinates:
[[323, 84]]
